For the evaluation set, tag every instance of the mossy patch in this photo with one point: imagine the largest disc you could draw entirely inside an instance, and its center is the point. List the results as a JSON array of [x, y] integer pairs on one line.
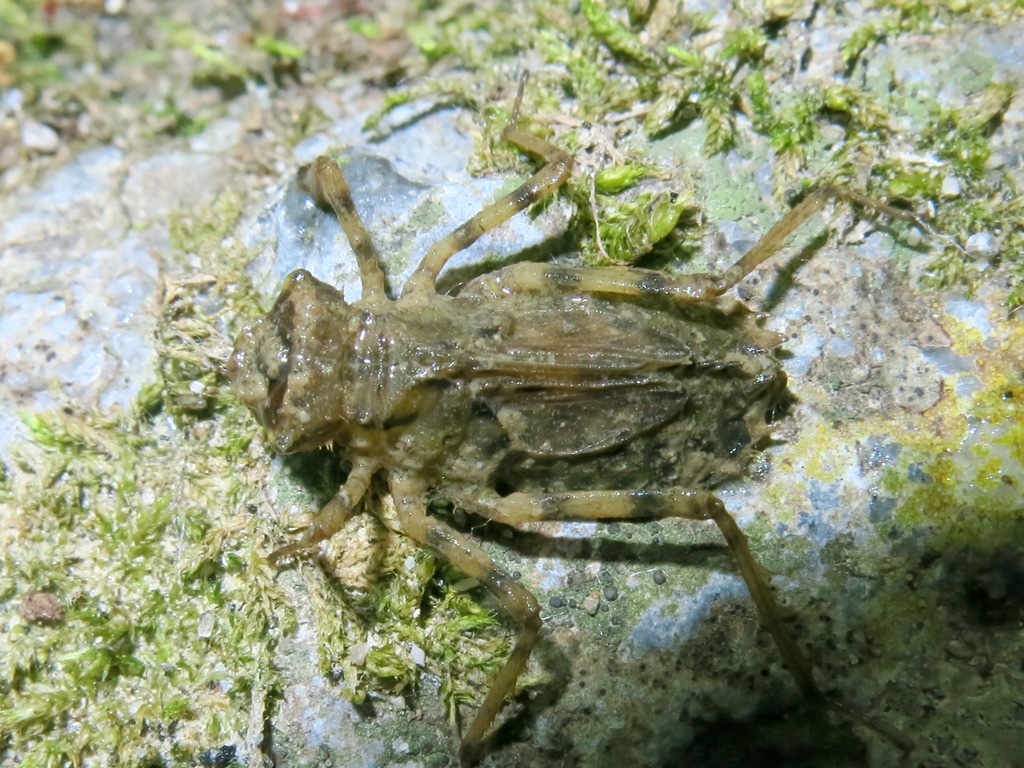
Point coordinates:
[[169, 613], [614, 77]]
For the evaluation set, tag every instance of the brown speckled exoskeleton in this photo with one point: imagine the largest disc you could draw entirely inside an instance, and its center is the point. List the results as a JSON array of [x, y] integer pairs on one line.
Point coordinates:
[[536, 392]]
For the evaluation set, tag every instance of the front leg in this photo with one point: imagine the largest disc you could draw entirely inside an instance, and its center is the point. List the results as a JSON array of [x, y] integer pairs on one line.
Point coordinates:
[[333, 514], [469, 557], [326, 184]]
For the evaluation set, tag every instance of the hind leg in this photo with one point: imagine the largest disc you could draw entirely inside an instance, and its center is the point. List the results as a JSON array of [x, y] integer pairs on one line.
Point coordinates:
[[469, 557], [519, 508], [630, 281]]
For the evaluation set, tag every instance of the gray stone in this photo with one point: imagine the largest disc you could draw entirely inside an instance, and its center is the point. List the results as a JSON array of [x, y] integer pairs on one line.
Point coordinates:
[[39, 137]]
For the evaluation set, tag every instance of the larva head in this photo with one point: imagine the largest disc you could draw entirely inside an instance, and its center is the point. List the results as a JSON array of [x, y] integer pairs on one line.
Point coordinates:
[[289, 367]]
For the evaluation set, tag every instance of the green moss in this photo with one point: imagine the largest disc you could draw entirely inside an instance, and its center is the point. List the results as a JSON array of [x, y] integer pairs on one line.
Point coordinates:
[[620, 40], [33, 45], [169, 118], [228, 68], [202, 231], [618, 178], [628, 70], [379, 629], [126, 528], [170, 612], [621, 231]]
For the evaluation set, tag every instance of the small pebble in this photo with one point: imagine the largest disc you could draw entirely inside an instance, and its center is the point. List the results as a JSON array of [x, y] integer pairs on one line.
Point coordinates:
[[41, 607], [557, 601], [418, 655], [610, 593], [591, 603], [659, 577], [982, 244], [39, 137], [357, 654], [11, 99], [206, 622], [951, 186]]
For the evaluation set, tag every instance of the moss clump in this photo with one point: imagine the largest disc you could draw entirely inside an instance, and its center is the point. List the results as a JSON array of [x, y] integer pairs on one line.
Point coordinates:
[[386, 610], [617, 75], [170, 614]]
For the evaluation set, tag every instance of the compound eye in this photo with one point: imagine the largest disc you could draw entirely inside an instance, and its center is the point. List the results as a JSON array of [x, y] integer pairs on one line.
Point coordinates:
[[277, 388]]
